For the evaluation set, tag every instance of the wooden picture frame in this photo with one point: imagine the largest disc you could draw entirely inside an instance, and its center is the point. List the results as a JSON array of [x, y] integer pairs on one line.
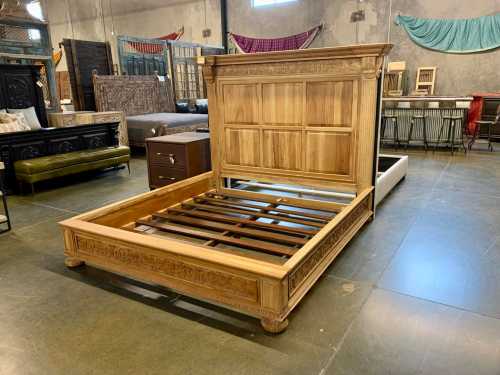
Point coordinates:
[[230, 242]]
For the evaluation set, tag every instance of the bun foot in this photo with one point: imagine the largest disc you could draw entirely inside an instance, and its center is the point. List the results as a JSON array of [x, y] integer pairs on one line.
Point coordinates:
[[274, 326], [73, 262]]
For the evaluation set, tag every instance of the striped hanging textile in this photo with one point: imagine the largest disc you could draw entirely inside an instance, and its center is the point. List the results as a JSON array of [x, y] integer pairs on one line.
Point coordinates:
[[254, 45], [155, 48]]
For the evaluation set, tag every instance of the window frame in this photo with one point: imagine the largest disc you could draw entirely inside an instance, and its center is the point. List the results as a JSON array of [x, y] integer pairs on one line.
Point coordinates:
[[255, 3]]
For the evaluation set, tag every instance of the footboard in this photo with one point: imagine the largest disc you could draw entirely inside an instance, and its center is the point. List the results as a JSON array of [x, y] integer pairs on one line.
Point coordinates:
[[257, 289], [113, 239]]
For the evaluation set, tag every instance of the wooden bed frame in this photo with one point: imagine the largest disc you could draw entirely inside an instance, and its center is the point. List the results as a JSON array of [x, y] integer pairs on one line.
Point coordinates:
[[302, 123]]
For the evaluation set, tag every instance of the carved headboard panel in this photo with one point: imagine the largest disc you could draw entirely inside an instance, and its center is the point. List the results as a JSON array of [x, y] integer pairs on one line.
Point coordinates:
[[19, 89], [133, 95], [296, 117]]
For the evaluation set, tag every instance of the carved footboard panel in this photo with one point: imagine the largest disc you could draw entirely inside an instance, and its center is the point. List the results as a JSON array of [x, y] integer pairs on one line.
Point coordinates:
[[235, 287]]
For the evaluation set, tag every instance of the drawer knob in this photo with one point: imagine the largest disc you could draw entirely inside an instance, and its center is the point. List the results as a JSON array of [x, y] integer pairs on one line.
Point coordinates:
[[171, 157], [167, 178], [158, 153]]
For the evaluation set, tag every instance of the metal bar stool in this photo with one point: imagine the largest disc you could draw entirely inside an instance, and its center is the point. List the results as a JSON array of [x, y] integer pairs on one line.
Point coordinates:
[[450, 124], [387, 121], [418, 120], [5, 218], [483, 131]]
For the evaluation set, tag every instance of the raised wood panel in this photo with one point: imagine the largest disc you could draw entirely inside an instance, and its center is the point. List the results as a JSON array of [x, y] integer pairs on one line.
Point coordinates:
[[282, 149], [330, 103], [242, 147], [241, 104], [329, 153], [282, 103]]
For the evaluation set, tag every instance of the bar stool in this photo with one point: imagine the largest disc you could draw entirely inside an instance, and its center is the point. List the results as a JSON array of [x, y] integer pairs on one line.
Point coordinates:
[[390, 120], [418, 120], [4, 219], [450, 124]]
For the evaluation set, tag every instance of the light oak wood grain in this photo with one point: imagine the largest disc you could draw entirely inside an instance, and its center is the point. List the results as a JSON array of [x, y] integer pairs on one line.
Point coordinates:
[[296, 117]]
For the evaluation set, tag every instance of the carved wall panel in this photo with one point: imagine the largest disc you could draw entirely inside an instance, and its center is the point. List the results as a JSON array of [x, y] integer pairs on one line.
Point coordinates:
[[133, 95]]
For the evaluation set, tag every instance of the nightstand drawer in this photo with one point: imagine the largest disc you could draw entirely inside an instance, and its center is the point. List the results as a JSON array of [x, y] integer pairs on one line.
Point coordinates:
[[161, 175], [170, 155]]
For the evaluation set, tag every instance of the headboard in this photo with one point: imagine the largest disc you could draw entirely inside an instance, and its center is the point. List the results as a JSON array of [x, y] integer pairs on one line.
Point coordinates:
[[133, 95], [296, 117], [19, 88]]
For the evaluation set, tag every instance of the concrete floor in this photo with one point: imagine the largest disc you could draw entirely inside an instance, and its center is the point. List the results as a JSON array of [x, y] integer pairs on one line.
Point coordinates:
[[416, 292]]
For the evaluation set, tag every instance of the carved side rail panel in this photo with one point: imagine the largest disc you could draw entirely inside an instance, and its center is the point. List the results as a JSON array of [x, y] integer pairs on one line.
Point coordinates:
[[330, 246]]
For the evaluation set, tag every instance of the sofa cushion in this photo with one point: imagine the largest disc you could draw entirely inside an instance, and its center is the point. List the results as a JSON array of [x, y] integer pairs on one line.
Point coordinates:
[[47, 163]]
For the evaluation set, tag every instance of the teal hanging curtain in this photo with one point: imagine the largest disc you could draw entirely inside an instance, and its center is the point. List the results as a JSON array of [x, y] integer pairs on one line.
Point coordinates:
[[454, 36]]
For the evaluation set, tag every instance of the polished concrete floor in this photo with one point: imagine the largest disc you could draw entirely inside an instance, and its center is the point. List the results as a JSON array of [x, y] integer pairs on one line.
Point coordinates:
[[416, 292]]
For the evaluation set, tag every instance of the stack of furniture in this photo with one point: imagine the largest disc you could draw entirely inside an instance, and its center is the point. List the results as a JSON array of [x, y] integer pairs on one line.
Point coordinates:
[[426, 80], [173, 158], [40, 154], [395, 79]]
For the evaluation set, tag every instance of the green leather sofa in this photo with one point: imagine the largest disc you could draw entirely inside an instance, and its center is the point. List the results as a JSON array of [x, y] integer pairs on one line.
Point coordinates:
[[34, 170]]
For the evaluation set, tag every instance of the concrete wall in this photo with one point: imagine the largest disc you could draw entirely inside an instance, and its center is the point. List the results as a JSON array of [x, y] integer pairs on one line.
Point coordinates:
[[103, 20], [457, 74]]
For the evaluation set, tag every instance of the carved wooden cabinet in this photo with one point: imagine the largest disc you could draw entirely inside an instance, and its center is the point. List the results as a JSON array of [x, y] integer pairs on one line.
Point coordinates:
[[175, 157]]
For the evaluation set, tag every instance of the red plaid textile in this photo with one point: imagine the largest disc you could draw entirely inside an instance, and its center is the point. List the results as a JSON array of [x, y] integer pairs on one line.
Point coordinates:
[[153, 48], [253, 45]]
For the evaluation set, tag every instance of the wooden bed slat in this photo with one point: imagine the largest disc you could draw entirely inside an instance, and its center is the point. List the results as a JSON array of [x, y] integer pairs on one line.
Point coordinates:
[[248, 222], [249, 244], [243, 211], [284, 201], [308, 215], [233, 229]]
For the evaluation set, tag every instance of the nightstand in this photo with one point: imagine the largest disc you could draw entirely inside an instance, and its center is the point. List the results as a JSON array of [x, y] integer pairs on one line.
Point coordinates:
[[172, 158]]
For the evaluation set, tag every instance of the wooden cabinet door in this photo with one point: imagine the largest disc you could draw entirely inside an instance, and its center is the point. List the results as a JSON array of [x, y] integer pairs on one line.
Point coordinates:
[[83, 57]]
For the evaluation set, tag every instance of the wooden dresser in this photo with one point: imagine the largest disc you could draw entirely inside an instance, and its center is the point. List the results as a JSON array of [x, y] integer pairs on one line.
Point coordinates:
[[175, 157]]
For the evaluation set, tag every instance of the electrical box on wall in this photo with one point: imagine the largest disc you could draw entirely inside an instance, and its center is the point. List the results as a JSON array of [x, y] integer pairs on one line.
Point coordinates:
[[358, 16]]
